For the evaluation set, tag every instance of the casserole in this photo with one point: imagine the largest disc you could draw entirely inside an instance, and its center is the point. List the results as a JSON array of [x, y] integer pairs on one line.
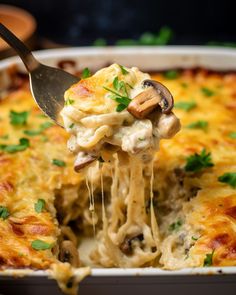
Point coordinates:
[[147, 59]]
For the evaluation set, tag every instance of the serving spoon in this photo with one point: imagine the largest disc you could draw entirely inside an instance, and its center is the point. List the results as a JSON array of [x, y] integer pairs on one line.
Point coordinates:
[[47, 84]]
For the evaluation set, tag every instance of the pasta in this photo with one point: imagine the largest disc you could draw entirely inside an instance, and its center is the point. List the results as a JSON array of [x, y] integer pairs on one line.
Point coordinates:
[[130, 235]]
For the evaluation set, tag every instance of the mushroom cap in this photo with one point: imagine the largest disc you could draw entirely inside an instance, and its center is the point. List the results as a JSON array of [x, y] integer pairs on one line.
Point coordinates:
[[167, 101]]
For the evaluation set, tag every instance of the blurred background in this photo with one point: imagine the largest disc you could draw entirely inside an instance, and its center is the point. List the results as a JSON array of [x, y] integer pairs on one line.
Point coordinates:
[[63, 23]]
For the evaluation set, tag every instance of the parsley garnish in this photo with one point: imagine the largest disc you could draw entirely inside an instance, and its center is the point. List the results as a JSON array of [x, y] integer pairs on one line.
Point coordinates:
[[4, 213], [197, 162], [39, 206], [58, 163], [120, 94], [171, 75], [69, 102], [40, 245], [229, 178], [184, 85], [232, 135], [185, 105], [198, 125], [123, 70], [13, 148], [208, 261], [207, 92], [175, 226], [71, 125], [85, 73], [5, 136], [194, 239], [42, 127], [18, 118]]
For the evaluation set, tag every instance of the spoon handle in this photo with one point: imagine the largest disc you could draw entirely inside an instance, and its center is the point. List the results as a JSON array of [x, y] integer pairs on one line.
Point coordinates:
[[24, 53]]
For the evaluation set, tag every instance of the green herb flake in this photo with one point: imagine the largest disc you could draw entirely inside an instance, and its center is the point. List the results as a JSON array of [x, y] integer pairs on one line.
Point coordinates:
[[207, 92], [232, 135], [171, 75], [194, 239], [71, 125], [69, 102], [185, 105], [39, 206], [44, 138], [59, 163], [184, 85], [42, 127], [208, 261], [198, 125], [120, 94], [5, 136], [86, 73], [13, 148], [198, 162], [41, 245], [123, 70], [175, 226], [18, 118], [229, 178], [4, 213]]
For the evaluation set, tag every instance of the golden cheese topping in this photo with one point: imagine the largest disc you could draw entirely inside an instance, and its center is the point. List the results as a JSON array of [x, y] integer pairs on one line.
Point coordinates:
[[30, 175], [193, 189], [200, 228]]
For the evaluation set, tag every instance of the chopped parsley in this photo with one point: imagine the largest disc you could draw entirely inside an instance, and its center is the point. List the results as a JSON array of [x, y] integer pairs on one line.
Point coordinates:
[[13, 148], [5, 136], [197, 162], [85, 73], [232, 135], [44, 138], [171, 75], [59, 163], [39, 206], [185, 105], [123, 70], [194, 239], [42, 127], [18, 118], [184, 85], [4, 213], [207, 92], [71, 125], [175, 226], [229, 178], [41, 245], [198, 125], [120, 94], [208, 261], [69, 102]]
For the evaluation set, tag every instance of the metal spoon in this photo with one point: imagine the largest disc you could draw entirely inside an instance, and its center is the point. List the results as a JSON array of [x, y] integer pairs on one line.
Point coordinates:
[[47, 84]]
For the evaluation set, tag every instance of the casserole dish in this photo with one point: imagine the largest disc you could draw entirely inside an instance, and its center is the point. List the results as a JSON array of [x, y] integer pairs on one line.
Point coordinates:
[[105, 281]]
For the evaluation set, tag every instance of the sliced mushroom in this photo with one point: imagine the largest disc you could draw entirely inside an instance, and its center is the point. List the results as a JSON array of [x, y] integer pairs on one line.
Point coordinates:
[[126, 247], [83, 159], [154, 96], [69, 253]]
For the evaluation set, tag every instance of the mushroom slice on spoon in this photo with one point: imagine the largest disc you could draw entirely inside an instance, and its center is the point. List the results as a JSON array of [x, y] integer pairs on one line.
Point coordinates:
[[154, 95]]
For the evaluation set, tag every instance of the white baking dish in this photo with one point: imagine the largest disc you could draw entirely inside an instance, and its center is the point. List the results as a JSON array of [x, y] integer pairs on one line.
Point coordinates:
[[133, 281]]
